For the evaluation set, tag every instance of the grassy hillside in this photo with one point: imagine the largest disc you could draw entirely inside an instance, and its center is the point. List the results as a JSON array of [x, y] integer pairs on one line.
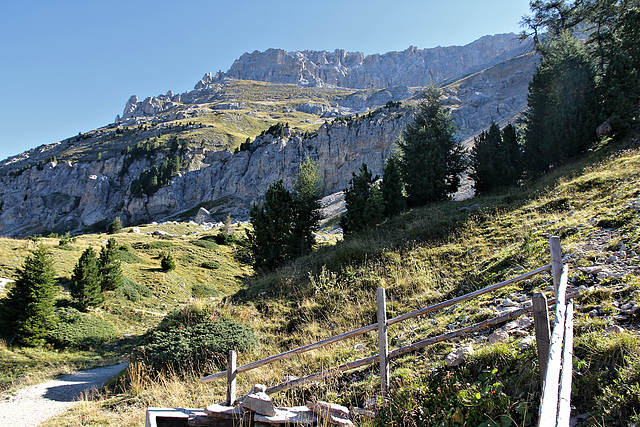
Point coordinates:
[[421, 257]]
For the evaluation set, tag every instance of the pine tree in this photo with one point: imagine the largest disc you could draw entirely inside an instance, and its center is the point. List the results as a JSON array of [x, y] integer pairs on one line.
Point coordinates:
[[392, 186], [110, 272], [270, 240], [307, 209], [561, 116], [364, 202], [115, 226], [432, 158], [85, 281], [28, 310], [496, 158]]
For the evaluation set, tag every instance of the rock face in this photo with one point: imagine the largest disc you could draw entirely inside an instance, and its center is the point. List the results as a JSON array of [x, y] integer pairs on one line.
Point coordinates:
[[411, 67], [73, 196]]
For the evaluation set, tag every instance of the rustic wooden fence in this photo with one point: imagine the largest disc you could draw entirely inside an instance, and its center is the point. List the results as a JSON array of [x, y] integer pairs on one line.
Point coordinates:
[[548, 346]]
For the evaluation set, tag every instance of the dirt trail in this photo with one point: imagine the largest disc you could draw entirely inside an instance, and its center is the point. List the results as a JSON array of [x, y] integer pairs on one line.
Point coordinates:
[[32, 405]]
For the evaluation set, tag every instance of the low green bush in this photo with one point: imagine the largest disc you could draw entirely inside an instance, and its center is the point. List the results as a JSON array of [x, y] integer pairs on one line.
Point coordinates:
[[211, 265], [132, 291], [206, 243], [191, 338], [226, 239], [81, 331]]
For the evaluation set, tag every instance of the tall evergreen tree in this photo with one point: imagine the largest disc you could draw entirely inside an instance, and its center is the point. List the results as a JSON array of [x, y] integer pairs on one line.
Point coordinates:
[[270, 240], [392, 186], [496, 158], [432, 158], [28, 310], [85, 281], [110, 272], [307, 209], [561, 116], [364, 202]]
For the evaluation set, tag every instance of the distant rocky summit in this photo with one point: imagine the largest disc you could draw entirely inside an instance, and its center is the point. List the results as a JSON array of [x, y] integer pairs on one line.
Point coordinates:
[[411, 67]]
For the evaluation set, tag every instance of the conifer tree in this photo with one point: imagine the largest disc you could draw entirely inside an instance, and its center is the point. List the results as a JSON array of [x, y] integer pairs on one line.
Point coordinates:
[[432, 158], [364, 202], [110, 272], [85, 281], [496, 158], [392, 186], [28, 310], [561, 116], [307, 209], [270, 240]]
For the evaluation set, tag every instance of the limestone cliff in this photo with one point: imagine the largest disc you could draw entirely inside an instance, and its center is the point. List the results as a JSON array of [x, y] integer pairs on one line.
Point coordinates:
[[41, 196], [411, 67]]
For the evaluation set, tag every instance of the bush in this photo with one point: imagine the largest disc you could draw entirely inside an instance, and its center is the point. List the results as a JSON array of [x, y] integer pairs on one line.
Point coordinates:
[[167, 263], [115, 227], [81, 331], [190, 338], [206, 242], [211, 265], [132, 291], [225, 239]]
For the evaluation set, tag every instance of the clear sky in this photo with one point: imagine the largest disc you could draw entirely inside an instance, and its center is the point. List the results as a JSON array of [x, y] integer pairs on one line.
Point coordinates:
[[69, 66]]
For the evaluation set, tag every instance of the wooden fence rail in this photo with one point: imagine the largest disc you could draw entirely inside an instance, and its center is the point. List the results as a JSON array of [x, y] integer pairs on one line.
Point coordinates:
[[550, 354]]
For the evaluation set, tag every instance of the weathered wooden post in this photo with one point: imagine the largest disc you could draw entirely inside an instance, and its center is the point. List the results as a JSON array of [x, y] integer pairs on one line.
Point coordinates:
[[556, 262], [382, 342], [232, 371], [543, 336]]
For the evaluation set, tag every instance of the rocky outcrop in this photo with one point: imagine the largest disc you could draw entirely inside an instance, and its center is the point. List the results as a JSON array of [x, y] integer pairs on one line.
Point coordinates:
[[411, 67]]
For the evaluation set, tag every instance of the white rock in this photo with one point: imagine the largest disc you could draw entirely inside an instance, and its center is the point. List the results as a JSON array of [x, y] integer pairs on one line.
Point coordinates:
[[526, 342], [456, 357]]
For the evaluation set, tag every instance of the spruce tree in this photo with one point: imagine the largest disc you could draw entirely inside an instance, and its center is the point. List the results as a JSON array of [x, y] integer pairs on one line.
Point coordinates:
[[28, 310], [85, 281], [392, 186], [364, 202], [110, 272], [561, 116], [496, 158], [432, 157], [307, 209], [270, 240]]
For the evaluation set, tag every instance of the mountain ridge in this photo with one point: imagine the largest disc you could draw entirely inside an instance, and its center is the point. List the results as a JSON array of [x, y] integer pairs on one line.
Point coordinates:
[[87, 180]]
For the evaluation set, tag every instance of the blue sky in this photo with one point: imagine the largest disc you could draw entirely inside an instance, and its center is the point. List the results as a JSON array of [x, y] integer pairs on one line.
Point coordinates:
[[69, 66]]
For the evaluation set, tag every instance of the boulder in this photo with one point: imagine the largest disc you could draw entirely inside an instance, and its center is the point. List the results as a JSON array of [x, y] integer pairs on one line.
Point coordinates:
[[202, 216], [456, 357], [259, 402]]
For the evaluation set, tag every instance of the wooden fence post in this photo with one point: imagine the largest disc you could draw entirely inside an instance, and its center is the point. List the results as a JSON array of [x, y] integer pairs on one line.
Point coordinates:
[[382, 342], [543, 336], [556, 262], [232, 371]]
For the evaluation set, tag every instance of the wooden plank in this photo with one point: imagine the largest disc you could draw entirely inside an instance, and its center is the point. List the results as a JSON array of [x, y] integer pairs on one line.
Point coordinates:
[[468, 296], [400, 351], [232, 357], [549, 402], [564, 406], [365, 329], [543, 335], [383, 344], [556, 261]]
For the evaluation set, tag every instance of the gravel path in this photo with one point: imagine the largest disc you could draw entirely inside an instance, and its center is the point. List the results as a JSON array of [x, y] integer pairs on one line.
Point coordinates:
[[32, 405]]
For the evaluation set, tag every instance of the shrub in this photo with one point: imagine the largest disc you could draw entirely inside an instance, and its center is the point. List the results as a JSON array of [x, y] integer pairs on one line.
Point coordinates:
[[132, 291], [211, 265], [115, 227], [167, 263], [206, 242], [81, 331], [225, 239], [190, 338]]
